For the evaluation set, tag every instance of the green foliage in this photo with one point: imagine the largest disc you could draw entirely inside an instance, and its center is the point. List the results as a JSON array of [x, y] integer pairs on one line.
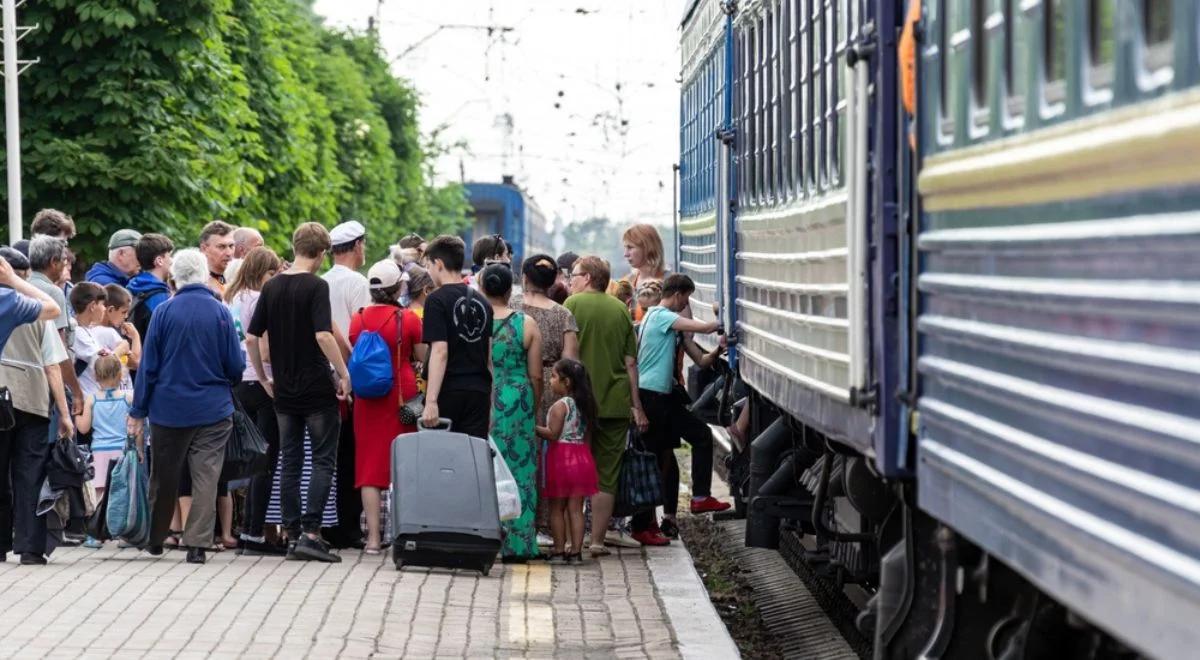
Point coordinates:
[[164, 115]]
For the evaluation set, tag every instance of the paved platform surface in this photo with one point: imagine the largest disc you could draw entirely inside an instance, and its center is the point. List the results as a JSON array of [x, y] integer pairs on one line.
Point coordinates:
[[127, 604]]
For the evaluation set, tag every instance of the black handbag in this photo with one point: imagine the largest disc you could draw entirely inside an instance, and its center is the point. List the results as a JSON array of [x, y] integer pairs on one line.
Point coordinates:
[[639, 487], [97, 523], [412, 410], [8, 414], [246, 450]]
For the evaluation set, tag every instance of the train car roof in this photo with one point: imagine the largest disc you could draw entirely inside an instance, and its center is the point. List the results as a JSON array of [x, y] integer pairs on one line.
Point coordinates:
[[689, 8]]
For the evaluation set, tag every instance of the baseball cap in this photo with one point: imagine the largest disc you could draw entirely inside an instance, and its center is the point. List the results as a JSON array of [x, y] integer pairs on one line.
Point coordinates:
[[566, 260], [348, 231], [384, 274], [124, 238]]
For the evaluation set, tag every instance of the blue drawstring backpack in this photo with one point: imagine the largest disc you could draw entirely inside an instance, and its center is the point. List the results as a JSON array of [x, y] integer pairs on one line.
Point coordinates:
[[370, 365]]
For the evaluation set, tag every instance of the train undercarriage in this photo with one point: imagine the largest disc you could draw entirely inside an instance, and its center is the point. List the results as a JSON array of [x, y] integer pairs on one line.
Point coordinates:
[[917, 589]]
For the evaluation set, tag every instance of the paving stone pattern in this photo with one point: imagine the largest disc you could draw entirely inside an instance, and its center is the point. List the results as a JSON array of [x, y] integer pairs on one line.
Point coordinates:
[[125, 604]]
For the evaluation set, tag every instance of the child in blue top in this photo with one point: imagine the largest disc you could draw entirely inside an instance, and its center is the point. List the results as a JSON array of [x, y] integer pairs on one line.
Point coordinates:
[[105, 414]]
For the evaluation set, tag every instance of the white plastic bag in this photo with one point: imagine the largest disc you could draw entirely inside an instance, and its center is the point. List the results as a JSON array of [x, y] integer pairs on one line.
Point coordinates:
[[507, 496]]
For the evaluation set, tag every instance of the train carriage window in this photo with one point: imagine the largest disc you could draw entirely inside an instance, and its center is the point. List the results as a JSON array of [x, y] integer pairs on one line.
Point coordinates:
[[947, 84], [772, 99], [1016, 59], [1157, 24], [817, 33], [1101, 42], [1054, 27], [838, 92], [759, 132], [787, 85], [804, 98], [979, 59]]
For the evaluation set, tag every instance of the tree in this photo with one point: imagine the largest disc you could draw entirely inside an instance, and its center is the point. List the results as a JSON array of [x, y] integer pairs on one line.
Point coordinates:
[[164, 115]]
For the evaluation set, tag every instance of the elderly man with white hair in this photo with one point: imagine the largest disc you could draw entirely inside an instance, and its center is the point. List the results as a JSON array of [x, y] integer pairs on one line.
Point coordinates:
[[191, 359], [122, 261], [244, 240]]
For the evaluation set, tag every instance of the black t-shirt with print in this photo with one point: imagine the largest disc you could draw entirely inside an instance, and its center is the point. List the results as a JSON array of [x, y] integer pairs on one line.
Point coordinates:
[[461, 317], [291, 310]]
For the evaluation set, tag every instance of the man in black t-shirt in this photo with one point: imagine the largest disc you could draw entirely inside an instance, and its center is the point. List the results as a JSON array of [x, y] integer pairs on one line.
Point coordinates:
[[458, 329], [293, 317]]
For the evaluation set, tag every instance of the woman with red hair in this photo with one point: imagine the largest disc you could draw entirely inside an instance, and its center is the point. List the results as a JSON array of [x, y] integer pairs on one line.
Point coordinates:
[[644, 252]]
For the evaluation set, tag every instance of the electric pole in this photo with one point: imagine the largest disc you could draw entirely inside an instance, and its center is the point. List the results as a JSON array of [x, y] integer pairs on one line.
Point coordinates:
[[12, 122]]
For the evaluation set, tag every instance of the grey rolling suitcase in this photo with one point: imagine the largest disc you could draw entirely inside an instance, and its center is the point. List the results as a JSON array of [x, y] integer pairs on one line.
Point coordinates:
[[443, 509]]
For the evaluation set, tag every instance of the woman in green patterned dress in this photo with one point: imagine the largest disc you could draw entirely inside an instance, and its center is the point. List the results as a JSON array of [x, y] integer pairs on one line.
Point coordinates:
[[516, 389]]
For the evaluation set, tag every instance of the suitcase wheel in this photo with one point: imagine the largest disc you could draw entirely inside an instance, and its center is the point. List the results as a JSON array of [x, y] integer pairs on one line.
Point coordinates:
[[485, 569], [399, 563]]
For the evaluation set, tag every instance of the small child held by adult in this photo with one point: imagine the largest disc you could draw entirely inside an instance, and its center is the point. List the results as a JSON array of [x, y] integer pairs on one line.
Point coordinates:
[[570, 470], [104, 415], [90, 302]]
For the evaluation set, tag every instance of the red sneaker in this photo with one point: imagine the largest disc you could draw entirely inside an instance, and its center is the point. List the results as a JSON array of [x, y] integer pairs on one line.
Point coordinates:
[[708, 504], [649, 537]]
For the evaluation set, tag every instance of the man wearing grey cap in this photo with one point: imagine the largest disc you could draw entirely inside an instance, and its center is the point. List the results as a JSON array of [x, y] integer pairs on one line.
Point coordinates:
[[349, 292], [122, 260]]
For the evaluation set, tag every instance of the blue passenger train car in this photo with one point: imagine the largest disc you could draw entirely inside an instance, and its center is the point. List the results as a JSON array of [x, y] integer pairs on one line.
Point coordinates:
[[504, 208], [965, 318]]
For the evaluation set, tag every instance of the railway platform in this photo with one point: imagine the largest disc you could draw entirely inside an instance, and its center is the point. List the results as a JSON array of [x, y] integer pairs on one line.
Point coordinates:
[[127, 604]]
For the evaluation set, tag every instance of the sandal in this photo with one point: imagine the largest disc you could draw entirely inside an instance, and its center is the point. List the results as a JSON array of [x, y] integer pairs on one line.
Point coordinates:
[[599, 551], [372, 551], [174, 539]]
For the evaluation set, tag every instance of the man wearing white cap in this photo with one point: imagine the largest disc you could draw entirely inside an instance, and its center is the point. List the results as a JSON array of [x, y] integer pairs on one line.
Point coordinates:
[[349, 292], [348, 289]]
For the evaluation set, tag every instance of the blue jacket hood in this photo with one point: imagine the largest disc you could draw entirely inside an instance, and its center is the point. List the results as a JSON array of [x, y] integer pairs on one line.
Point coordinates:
[[147, 283], [105, 273]]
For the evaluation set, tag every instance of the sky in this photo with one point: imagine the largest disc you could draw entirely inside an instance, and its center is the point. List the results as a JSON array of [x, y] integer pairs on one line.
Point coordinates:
[[590, 88]]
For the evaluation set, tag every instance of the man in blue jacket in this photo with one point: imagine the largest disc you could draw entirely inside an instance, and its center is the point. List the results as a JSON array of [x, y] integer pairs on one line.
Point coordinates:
[[191, 359], [149, 287], [122, 260]]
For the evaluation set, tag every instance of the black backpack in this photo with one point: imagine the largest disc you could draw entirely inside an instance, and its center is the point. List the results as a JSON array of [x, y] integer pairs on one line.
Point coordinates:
[[139, 312]]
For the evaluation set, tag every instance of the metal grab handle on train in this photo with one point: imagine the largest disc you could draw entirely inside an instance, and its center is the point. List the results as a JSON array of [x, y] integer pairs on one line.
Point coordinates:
[[443, 424]]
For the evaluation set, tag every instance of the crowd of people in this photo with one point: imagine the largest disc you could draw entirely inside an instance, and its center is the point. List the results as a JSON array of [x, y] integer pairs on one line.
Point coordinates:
[[553, 359]]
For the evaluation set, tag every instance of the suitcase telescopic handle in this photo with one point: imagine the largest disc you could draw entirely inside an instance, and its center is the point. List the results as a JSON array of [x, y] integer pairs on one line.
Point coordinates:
[[442, 423]]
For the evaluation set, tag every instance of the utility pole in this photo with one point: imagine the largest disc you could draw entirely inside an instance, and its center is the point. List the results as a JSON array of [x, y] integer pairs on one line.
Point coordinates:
[[12, 122]]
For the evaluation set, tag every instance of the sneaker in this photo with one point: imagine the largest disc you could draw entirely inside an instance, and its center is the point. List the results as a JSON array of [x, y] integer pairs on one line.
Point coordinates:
[[575, 559], [708, 504], [260, 549], [312, 549], [544, 540], [651, 537], [620, 540], [94, 544], [558, 559], [668, 528]]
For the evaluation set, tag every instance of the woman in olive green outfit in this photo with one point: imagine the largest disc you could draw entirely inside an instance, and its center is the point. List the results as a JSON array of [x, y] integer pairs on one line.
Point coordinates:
[[516, 388], [608, 348]]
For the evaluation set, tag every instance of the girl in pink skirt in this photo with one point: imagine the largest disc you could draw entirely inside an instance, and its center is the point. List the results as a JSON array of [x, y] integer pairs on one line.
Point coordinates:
[[570, 472]]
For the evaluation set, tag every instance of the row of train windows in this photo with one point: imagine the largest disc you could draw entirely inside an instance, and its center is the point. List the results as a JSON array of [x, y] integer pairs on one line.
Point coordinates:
[[1155, 18], [790, 100], [702, 116]]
